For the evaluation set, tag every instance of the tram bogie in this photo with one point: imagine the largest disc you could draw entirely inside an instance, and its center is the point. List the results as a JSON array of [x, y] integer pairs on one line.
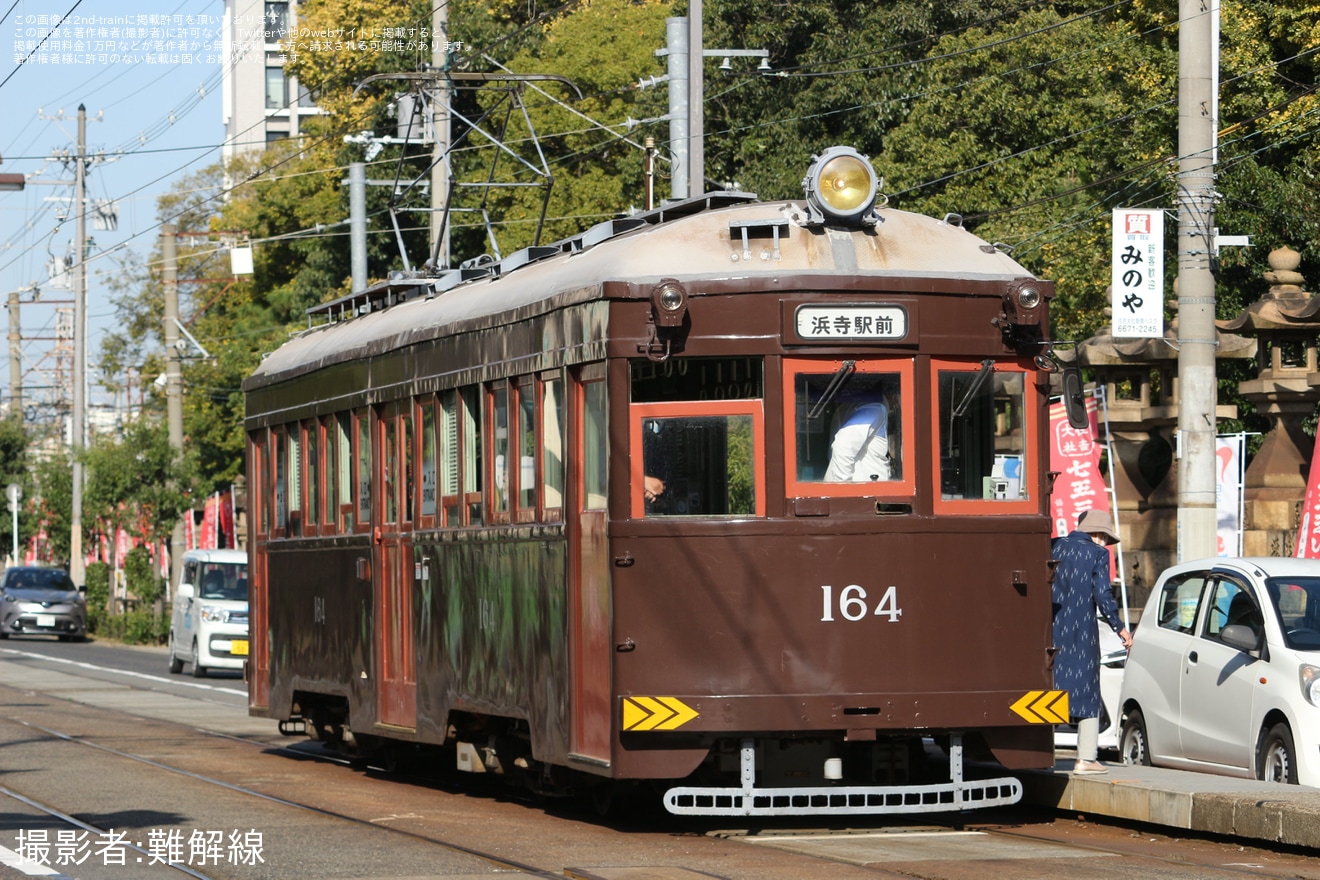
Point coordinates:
[[746, 499]]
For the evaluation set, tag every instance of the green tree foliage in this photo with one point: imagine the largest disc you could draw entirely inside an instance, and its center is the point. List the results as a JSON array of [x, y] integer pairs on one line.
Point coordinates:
[[135, 482], [1030, 120]]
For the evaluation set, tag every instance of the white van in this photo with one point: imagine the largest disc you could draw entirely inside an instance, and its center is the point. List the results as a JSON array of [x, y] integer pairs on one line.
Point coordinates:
[[209, 627]]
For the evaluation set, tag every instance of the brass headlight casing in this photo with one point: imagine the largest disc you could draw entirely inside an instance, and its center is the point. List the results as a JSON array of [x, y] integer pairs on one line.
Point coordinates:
[[840, 187]]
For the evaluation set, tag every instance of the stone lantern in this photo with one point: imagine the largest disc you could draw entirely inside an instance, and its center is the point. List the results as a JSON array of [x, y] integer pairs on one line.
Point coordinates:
[[1140, 381], [1286, 321]]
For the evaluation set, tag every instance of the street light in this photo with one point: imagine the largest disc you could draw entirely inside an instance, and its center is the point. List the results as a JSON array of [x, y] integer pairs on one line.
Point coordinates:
[[12, 182]]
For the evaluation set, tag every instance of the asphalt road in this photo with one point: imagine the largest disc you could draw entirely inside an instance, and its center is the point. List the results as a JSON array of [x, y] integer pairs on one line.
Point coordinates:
[[99, 739]]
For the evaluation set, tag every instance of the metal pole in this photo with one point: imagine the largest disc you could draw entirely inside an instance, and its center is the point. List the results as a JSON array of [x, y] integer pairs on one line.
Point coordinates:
[[15, 357], [173, 374], [357, 224], [77, 430], [676, 41], [1196, 284], [439, 236], [696, 101]]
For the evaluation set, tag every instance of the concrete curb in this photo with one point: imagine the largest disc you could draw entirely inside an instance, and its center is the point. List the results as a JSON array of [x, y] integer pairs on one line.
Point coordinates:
[[1246, 808]]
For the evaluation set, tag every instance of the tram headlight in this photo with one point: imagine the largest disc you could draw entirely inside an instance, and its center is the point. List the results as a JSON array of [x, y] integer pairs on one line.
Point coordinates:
[[840, 187], [669, 303]]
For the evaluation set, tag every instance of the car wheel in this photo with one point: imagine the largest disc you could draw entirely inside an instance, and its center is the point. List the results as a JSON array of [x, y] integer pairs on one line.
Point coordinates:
[[198, 670], [1133, 744], [1277, 759], [176, 665]]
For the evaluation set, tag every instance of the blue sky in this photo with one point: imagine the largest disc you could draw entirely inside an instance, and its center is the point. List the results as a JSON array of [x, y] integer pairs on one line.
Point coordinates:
[[151, 73]]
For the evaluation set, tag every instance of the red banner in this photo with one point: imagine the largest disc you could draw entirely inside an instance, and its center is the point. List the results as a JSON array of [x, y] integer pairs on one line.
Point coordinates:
[[1308, 530], [1075, 455], [210, 524]]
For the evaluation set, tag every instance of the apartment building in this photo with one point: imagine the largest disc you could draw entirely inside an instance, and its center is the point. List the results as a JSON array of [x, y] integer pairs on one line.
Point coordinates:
[[262, 103]]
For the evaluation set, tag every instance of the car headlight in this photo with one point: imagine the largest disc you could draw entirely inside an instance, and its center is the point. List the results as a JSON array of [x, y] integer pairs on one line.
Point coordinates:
[[1309, 676], [215, 614]]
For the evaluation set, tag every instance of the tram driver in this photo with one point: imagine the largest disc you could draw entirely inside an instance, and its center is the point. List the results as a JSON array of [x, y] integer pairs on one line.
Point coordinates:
[[859, 452]]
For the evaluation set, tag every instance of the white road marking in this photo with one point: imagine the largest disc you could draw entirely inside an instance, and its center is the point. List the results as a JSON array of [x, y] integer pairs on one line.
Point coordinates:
[[11, 859], [142, 675]]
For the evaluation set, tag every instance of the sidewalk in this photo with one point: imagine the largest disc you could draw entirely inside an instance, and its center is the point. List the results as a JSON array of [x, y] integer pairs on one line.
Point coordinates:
[[1227, 805]]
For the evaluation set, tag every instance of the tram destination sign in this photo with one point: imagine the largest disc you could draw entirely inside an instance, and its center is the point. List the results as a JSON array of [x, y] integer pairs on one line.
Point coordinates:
[[849, 322]]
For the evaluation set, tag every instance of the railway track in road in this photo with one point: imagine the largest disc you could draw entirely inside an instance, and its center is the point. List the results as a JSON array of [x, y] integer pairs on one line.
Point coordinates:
[[322, 819], [494, 859]]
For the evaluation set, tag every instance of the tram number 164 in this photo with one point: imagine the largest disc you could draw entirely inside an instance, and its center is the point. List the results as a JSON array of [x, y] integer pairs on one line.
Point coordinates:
[[853, 606]]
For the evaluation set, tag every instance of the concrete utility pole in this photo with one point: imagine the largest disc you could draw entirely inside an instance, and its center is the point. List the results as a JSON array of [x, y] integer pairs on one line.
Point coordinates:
[[15, 356], [676, 43], [173, 375], [1196, 282], [696, 101], [78, 430], [439, 236], [357, 224]]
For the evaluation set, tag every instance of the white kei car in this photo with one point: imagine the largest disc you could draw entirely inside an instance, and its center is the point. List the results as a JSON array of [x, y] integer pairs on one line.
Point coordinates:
[[1224, 672], [209, 625]]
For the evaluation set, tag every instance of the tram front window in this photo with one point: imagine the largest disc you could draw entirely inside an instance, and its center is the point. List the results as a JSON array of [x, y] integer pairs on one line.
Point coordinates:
[[699, 466], [696, 436], [982, 433]]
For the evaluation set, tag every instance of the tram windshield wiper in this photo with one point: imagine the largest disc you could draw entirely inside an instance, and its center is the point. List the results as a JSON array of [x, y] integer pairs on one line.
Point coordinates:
[[986, 366], [837, 381]]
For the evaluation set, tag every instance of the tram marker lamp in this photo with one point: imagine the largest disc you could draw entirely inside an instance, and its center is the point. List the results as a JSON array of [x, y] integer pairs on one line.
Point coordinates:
[[840, 187], [669, 304]]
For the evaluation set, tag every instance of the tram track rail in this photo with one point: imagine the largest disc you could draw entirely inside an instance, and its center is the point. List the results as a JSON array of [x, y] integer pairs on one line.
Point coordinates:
[[494, 859]]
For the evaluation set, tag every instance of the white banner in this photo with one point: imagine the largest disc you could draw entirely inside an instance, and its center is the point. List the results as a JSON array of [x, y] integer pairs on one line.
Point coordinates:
[[1228, 493], [1137, 273]]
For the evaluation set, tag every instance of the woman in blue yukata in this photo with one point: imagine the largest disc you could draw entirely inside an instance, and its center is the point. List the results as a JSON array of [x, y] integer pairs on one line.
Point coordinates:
[[1081, 585]]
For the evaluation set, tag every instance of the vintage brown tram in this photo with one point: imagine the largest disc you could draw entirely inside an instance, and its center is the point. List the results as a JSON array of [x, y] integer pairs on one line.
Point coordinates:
[[576, 514]]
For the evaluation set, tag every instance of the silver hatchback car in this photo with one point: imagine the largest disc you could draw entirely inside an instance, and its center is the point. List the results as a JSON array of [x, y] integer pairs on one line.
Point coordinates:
[[1224, 674], [37, 601]]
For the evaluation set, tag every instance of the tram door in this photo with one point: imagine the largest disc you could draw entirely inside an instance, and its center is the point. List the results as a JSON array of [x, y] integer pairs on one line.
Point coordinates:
[[258, 671], [591, 609], [396, 664]]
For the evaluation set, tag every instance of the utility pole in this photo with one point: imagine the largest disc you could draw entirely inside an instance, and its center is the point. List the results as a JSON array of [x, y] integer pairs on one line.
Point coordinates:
[[696, 101], [357, 223], [686, 53], [173, 374], [78, 430], [439, 236], [1196, 283], [15, 356], [676, 42]]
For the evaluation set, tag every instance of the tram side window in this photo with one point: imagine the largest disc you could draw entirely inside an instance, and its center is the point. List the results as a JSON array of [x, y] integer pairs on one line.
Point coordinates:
[[293, 491], [409, 465], [313, 472], [983, 434], [472, 454], [526, 438], [261, 479], [281, 501], [428, 459], [344, 450], [449, 458], [499, 400], [363, 419], [552, 446], [331, 464], [595, 452]]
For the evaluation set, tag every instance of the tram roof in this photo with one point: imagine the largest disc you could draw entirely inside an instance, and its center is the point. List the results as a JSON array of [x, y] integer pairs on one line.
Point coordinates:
[[701, 240]]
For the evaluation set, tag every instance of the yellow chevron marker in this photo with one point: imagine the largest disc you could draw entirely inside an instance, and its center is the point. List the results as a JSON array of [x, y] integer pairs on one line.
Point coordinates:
[[1043, 707], [683, 713], [656, 713]]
